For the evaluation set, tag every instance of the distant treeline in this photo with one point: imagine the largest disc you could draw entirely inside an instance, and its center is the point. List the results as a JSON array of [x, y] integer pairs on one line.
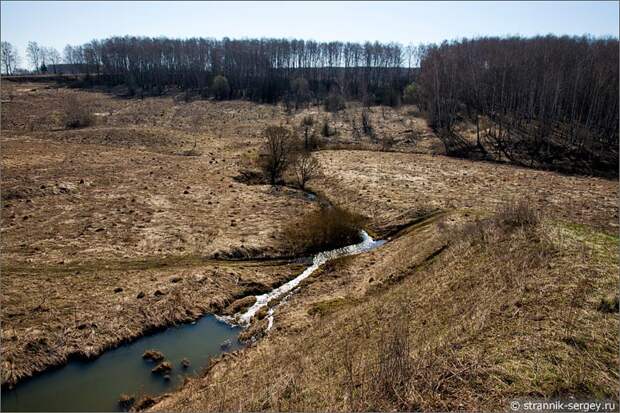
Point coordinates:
[[264, 70], [548, 102]]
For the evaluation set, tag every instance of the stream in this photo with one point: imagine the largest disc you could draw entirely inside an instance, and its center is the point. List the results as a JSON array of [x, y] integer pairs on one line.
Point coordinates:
[[95, 385], [319, 259]]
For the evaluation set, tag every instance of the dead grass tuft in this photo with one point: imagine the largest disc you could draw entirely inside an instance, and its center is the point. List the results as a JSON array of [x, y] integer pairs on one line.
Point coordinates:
[[517, 214], [153, 355], [609, 304], [392, 374], [191, 152], [76, 114], [125, 401], [326, 307]]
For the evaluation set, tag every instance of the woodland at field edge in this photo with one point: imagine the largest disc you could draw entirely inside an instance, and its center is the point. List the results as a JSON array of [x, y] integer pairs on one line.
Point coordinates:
[[545, 102]]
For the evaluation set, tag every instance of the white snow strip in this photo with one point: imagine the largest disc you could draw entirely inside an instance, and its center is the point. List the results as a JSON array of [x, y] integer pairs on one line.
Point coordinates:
[[270, 319], [319, 259]]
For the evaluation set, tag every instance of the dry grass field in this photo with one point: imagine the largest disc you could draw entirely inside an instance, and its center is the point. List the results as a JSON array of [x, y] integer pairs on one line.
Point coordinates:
[[431, 322], [139, 220]]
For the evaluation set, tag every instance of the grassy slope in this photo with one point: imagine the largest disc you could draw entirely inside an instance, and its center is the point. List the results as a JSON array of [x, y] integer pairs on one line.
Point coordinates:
[[502, 312]]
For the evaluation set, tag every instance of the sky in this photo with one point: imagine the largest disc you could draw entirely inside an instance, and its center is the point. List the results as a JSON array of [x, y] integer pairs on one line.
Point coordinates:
[[58, 23]]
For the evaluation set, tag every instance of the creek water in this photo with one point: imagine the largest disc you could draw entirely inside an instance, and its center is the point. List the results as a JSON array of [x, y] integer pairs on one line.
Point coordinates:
[[319, 259], [96, 385]]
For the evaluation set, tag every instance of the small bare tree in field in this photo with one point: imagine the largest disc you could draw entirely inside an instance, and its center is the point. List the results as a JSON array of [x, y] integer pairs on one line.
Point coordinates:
[[305, 168], [196, 123], [276, 153], [326, 130]]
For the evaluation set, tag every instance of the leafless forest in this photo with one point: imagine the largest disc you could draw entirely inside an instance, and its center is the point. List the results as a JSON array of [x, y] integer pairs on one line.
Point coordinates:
[[546, 102], [550, 102]]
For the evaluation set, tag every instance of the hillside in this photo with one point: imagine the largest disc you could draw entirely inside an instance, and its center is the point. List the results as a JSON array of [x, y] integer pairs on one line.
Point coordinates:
[[445, 317]]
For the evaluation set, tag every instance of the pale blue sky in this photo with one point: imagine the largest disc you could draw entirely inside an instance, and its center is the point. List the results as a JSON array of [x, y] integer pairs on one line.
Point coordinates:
[[58, 23]]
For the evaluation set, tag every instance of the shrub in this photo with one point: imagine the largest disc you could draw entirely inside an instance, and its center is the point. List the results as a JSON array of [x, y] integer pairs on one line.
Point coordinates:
[[387, 142], [250, 177], [517, 214], [355, 133], [326, 131], [323, 229], [187, 96], [276, 153], [76, 114], [394, 366], [221, 88], [335, 102], [509, 216], [609, 304], [390, 97], [307, 121]]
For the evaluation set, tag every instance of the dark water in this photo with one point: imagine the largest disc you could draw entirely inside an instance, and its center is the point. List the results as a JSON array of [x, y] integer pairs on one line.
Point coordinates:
[[96, 385]]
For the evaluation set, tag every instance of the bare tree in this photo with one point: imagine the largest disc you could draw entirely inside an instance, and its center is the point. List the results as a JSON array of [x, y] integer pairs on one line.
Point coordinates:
[[10, 58], [306, 124], [67, 55], [276, 152], [73, 56], [410, 53], [33, 53], [265, 70], [305, 168], [549, 102], [301, 91], [54, 57]]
